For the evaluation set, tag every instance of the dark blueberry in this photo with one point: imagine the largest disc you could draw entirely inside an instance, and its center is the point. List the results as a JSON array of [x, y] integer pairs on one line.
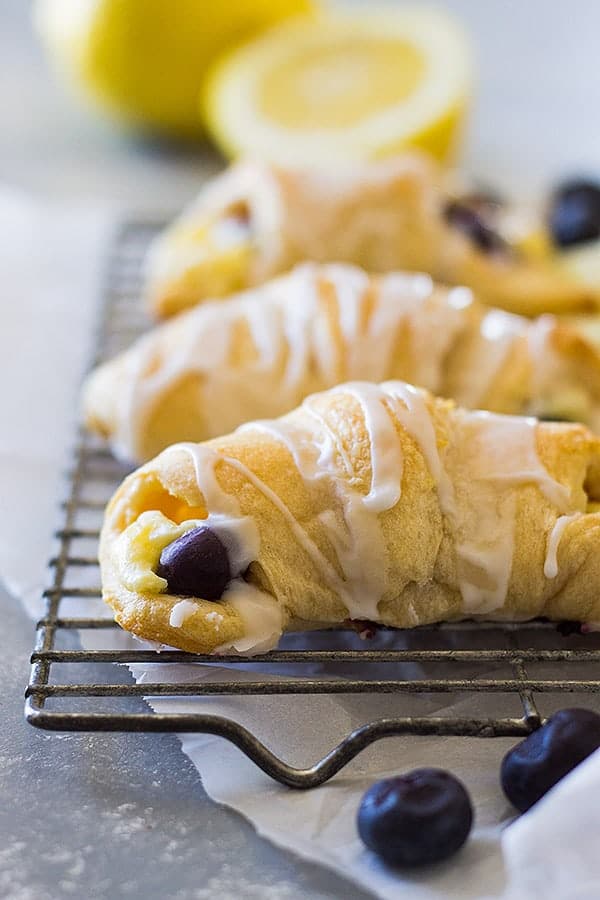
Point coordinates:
[[469, 220], [578, 188], [535, 765], [415, 819], [574, 214], [196, 564]]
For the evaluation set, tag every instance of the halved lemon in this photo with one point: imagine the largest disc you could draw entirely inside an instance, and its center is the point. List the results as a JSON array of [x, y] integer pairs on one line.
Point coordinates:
[[146, 60], [343, 87]]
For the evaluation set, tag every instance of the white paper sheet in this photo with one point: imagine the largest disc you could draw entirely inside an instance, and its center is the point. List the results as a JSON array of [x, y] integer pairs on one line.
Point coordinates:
[[50, 262]]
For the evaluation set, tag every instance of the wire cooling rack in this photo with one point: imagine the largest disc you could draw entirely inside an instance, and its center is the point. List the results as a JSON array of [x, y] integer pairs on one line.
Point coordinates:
[[513, 667]]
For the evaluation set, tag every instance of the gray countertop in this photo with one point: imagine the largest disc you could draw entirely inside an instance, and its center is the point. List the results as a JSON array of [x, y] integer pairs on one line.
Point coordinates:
[[121, 815]]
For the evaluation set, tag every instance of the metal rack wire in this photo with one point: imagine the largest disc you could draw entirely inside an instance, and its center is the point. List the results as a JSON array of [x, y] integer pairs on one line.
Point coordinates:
[[487, 660]]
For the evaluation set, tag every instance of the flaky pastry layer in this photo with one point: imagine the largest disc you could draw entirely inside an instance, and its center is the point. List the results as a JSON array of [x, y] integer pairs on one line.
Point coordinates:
[[259, 354], [257, 220]]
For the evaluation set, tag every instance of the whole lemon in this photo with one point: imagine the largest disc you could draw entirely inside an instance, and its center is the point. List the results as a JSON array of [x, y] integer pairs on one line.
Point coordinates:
[[145, 60]]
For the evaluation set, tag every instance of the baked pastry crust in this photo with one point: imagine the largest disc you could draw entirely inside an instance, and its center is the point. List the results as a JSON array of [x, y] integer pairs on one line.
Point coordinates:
[[258, 355], [370, 502], [257, 220]]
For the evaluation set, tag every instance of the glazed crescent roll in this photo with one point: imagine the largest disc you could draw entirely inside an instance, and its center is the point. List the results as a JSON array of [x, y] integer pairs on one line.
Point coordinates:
[[256, 221], [259, 355], [368, 502]]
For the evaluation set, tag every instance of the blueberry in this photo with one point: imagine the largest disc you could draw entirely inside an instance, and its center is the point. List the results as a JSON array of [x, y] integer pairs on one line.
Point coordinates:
[[414, 819], [535, 765], [470, 221], [196, 564], [574, 215]]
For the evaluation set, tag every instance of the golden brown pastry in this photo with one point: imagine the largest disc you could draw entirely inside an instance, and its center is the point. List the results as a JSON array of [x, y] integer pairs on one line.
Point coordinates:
[[369, 502], [259, 355], [257, 220]]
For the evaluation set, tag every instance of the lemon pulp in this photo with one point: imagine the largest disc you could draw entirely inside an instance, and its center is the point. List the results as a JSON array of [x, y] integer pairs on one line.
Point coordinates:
[[336, 85], [340, 88]]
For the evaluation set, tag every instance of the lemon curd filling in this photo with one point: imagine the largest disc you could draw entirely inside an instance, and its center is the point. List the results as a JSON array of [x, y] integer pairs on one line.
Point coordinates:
[[583, 261], [216, 254], [138, 549], [340, 83]]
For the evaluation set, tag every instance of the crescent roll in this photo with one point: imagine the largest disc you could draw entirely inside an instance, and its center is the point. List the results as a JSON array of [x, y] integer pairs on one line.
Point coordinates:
[[256, 221], [260, 354], [368, 502]]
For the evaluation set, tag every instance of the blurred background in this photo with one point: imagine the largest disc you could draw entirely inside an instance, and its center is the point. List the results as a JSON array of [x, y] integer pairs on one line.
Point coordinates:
[[535, 85]]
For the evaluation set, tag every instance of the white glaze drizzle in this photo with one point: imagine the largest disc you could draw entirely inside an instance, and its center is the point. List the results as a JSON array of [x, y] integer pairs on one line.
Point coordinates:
[[368, 346], [287, 319], [416, 420], [543, 357], [240, 537], [554, 538], [261, 616], [486, 528], [484, 557], [498, 332], [205, 461], [506, 440], [460, 297], [490, 449], [355, 533], [332, 443], [356, 537], [310, 548], [385, 451], [433, 318], [557, 388], [182, 611], [493, 450]]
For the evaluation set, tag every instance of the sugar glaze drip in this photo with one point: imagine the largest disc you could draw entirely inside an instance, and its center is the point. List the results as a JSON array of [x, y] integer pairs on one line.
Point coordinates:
[[260, 613], [554, 538], [497, 335], [494, 450], [355, 531], [482, 521], [484, 529], [289, 326]]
